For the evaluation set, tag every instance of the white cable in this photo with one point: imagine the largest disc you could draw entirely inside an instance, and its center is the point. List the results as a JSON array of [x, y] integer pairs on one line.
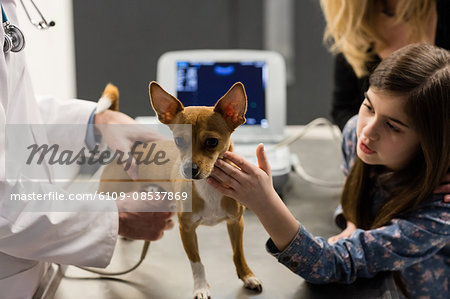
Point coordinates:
[[314, 123], [298, 168]]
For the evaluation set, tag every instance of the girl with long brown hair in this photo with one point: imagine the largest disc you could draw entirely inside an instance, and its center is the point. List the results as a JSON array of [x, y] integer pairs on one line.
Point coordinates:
[[397, 154]]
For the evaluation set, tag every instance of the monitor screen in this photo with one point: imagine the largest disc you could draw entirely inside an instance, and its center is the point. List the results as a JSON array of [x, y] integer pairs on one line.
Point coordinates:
[[203, 83]]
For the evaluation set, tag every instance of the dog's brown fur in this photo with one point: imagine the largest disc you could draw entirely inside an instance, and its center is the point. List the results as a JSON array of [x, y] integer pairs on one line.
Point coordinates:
[[209, 124]]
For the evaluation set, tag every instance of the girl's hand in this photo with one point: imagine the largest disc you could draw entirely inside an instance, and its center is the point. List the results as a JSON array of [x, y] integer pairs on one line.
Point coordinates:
[[346, 233], [244, 182], [252, 186]]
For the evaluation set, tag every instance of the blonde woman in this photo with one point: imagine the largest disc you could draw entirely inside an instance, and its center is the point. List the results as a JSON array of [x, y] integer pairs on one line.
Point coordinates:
[[363, 32]]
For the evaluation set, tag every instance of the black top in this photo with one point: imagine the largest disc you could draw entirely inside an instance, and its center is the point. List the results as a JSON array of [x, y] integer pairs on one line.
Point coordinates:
[[348, 92]]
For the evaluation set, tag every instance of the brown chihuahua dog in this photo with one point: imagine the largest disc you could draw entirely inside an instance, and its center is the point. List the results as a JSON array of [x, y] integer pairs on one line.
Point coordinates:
[[211, 131]]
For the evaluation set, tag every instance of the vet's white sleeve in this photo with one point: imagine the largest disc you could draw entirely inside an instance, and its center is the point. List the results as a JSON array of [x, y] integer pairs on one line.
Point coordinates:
[[73, 116], [29, 239]]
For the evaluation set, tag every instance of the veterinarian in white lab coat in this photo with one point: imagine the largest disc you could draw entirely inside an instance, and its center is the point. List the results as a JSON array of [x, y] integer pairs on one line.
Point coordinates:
[[31, 240]]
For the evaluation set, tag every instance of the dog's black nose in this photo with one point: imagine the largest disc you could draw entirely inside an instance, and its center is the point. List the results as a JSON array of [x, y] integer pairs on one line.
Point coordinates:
[[195, 170], [191, 170]]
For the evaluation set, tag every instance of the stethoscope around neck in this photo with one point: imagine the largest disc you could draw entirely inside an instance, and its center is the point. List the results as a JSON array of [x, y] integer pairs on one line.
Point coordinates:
[[14, 38]]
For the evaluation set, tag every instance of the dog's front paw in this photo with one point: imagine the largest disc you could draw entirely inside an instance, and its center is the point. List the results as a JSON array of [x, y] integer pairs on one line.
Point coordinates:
[[253, 283], [202, 293]]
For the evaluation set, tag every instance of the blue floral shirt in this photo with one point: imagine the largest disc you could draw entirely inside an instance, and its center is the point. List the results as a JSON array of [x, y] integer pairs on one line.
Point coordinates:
[[417, 245]]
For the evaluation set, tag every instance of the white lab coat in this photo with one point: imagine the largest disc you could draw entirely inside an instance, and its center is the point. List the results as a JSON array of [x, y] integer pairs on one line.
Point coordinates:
[[30, 240]]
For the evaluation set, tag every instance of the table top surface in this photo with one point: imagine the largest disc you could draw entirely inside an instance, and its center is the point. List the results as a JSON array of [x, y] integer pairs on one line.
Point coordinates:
[[166, 273]]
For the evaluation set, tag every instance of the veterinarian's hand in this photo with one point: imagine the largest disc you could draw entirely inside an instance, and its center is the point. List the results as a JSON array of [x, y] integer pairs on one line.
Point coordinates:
[[246, 183], [144, 225], [140, 219], [444, 188], [123, 138], [346, 233]]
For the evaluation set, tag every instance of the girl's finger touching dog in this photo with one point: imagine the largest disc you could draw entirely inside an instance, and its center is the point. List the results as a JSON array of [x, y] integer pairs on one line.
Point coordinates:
[[230, 170], [227, 191], [225, 177], [243, 164]]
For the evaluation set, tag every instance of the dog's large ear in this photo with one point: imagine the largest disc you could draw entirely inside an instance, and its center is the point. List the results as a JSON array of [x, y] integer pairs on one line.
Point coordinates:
[[233, 106], [165, 105]]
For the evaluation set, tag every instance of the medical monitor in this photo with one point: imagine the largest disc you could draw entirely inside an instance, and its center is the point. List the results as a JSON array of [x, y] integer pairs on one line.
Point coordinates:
[[201, 77]]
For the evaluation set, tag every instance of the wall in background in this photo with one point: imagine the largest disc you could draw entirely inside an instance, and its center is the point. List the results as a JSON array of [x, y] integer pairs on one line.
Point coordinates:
[[121, 41], [310, 96], [50, 53]]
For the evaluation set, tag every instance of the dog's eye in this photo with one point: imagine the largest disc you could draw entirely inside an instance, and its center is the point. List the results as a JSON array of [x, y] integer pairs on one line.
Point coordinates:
[[180, 142], [211, 142]]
